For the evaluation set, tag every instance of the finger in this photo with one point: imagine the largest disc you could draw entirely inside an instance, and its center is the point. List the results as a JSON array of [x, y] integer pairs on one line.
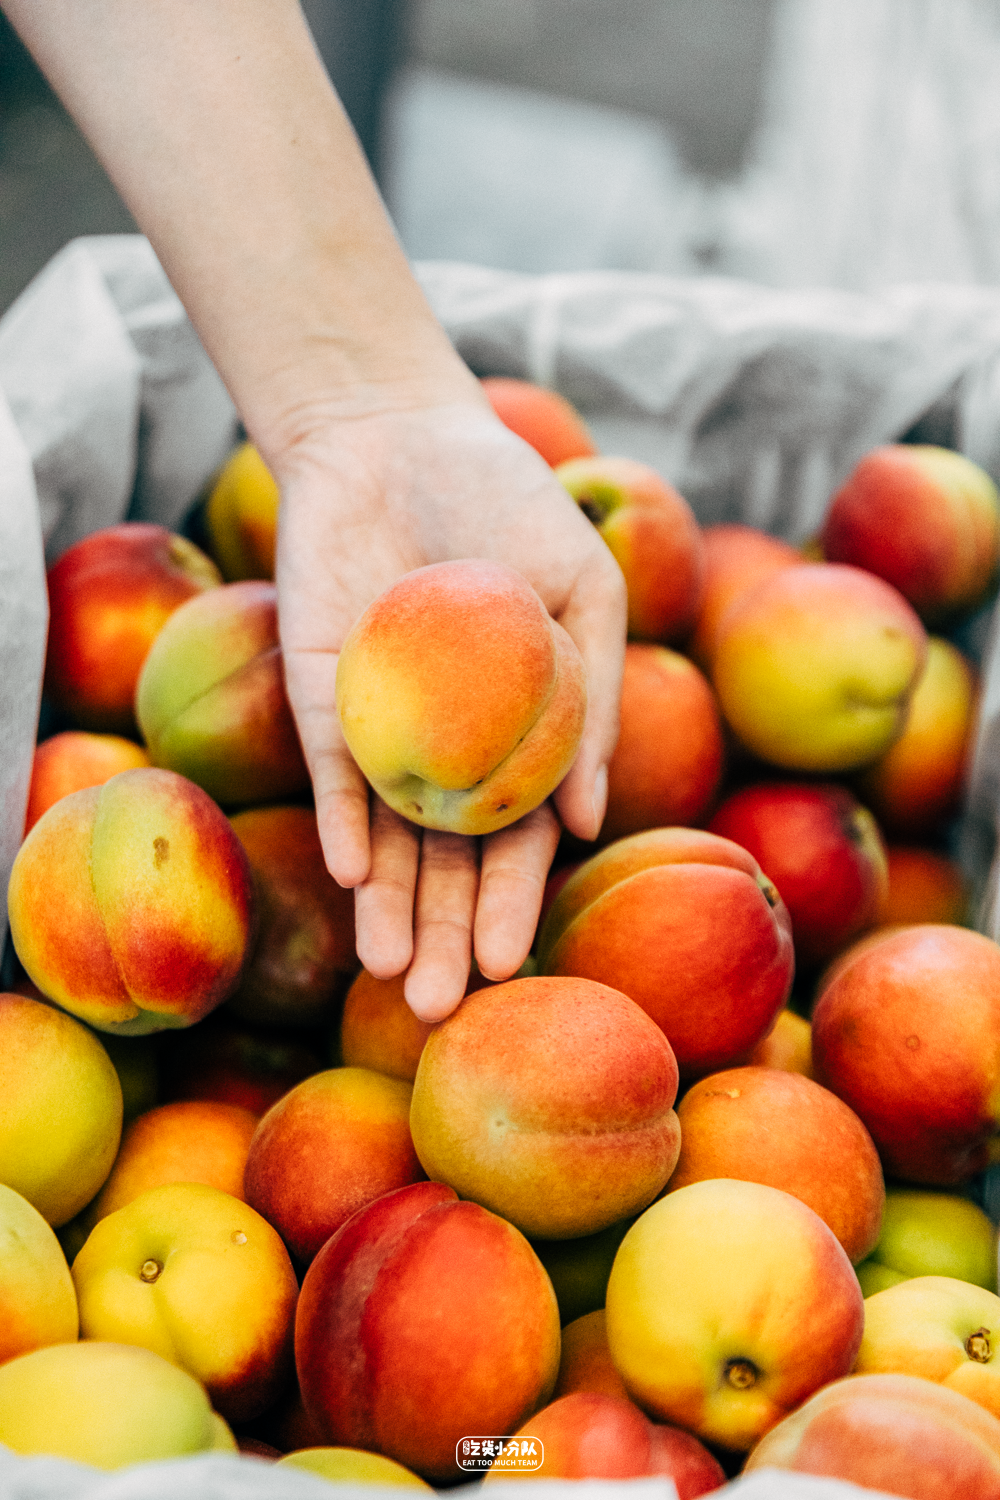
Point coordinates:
[[446, 903], [515, 865], [383, 904]]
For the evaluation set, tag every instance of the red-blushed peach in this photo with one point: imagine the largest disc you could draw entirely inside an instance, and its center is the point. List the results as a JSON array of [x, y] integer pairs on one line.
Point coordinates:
[[549, 1101], [688, 926], [352, 1466], [106, 1404], [61, 1110], [37, 1296], [75, 759], [211, 700], [201, 1279], [579, 1268], [109, 596], [653, 536], [131, 904], [908, 1034], [241, 516], [736, 558], [918, 783], [585, 1363], [934, 1234], [422, 1320], [892, 1433], [766, 1125], [925, 519], [729, 1303], [824, 852], [815, 666], [924, 886], [235, 1064], [543, 418], [459, 698], [303, 954], [329, 1146], [668, 760], [788, 1045], [939, 1328], [378, 1029], [590, 1435]]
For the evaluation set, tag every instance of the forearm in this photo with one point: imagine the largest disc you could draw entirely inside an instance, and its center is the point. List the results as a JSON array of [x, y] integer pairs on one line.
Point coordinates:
[[217, 123]]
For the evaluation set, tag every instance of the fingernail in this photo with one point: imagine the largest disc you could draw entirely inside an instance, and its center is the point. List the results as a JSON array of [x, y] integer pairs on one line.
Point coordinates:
[[600, 798]]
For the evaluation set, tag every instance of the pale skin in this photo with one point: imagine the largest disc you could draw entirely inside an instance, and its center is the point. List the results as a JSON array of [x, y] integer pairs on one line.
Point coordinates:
[[217, 123]]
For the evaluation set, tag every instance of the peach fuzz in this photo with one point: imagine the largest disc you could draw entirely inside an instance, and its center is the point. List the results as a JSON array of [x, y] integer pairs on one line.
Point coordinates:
[[109, 596], [653, 536], [549, 1101], [378, 1030], [924, 886], [908, 1034], [211, 699], [303, 954], [202, 1280], [688, 926], [814, 667], [765, 1125], [422, 1320], [737, 558], [729, 1303], [352, 1466], [131, 904], [919, 782], [543, 418], [668, 761], [925, 519], [37, 1296], [788, 1045], [940, 1328], [75, 759], [329, 1146], [241, 516], [61, 1119], [586, 1364], [893, 1433]]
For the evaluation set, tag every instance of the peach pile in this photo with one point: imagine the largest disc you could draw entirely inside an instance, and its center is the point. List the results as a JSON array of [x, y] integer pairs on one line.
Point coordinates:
[[637, 1211]]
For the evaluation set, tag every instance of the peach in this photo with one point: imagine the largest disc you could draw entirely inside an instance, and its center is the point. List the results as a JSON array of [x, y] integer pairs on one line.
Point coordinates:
[[737, 557], [934, 1234], [352, 1466], [303, 954], [422, 1320], [73, 760], [788, 1045], [37, 1296], [729, 1303], [329, 1146], [814, 667], [131, 903], [542, 417], [687, 925], [924, 886], [925, 519], [823, 851], [918, 783], [235, 1064], [109, 596], [669, 758], [937, 1327], [378, 1029], [459, 698], [585, 1363], [765, 1125], [549, 1101], [106, 1404], [202, 1280], [211, 699], [61, 1119], [894, 1433], [908, 1034], [241, 516], [579, 1268], [653, 536]]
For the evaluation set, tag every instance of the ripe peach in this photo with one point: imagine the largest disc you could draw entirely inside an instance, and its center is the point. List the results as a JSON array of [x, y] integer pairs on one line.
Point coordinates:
[[211, 699], [586, 1363], [73, 760], [131, 903], [378, 1029], [924, 886], [422, 1320], [37, 1296], [815, 666], [653, 535], [549, 1101], [668, 761], [543, 418], [109, 596], [688, 926], [303, 953], [788, 1045], [328, 1147], [737, 558], [241, 516], [765, 1125], [925, 519], [460, 699], [937, 1327]]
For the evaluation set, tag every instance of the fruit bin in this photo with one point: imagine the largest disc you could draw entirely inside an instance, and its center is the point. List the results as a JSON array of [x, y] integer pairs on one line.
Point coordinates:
[[755, 403]]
